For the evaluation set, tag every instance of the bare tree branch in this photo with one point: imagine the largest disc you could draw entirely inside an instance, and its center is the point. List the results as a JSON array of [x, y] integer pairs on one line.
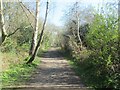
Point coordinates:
[[25, 12], [13, 32], [27, 9]]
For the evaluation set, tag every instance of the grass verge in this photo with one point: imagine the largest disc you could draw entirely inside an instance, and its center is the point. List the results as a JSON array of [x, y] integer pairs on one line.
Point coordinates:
[[18, 74]]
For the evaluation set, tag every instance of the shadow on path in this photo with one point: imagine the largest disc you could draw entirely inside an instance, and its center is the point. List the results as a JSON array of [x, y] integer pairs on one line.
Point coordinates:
[[54, 73], [52, 53], [54, 70]]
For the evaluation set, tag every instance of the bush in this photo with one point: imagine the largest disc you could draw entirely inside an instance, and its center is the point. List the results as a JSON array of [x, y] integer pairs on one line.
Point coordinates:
[[99, 63], [103, 62]]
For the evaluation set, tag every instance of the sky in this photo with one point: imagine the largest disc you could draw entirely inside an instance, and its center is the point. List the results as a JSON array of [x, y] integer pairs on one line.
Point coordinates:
[[57, 8]]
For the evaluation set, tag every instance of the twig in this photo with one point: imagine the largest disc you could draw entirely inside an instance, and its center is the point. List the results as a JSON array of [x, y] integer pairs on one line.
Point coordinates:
[[13, 32], [25, 13]]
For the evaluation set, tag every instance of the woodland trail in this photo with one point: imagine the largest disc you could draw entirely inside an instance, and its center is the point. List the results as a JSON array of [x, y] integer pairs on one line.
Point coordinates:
[[54, 73]]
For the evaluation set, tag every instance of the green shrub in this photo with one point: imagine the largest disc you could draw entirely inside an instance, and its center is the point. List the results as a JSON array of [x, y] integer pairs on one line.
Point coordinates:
[[98, 64], [102, 39]]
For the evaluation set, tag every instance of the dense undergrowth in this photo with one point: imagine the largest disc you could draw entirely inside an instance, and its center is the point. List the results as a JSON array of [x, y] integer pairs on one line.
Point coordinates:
[[93, 74], [98, 61]]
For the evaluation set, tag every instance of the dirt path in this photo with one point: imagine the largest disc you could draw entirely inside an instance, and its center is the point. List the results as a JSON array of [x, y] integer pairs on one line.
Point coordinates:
[[54, 72]]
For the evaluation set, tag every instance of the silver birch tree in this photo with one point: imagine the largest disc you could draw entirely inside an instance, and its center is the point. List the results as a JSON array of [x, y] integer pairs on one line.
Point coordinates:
[[35, 33]]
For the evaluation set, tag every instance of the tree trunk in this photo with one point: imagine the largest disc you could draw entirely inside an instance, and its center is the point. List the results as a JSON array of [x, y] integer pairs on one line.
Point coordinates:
[[35, 33], [40, 39], [78, 31], [3, 33], [78, 24]]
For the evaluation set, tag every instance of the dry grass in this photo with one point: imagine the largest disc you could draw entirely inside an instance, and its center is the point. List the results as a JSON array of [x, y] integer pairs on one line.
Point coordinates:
[[11, 58]]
